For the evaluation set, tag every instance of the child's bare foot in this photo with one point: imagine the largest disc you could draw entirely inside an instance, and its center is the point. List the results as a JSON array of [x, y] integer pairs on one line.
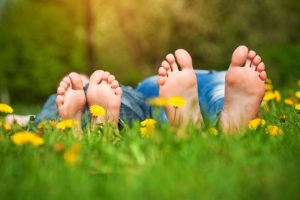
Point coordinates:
[[70, 98], [244, 89], [104, 90], [21, 120], [183, 83]]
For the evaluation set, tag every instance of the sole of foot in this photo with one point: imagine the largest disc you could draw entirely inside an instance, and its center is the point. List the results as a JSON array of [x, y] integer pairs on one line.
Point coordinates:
[[70, 98], [180, 81], [104, 90], [244, 90]]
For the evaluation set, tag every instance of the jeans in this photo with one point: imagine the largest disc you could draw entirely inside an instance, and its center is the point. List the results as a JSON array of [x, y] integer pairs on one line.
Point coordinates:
[[134, 107]]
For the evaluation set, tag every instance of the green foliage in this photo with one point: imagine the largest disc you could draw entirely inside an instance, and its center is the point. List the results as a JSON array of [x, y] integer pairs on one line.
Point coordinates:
[[114, 165], [42, 40]]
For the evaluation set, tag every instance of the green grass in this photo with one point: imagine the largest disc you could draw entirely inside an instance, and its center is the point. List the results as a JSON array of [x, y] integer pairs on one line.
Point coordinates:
[[124, 165]]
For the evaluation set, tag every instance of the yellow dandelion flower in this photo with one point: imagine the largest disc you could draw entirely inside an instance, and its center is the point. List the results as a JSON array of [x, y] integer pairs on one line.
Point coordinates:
[[269, 96], [289, 101], [273, 130], [213, 131], [148, 122], [65, 124], [176, 101], [297, 94], [255, 123], [147, 127], [4, 108], [97, 111], [158, 101], [297, 106], [277, 96], [268, 81], [41, 125], [71, 155], [7, 127], [147, 131], [25, 137], [269, 87]]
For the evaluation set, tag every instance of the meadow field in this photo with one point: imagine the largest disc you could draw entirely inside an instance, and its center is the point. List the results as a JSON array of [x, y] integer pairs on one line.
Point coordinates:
[[152, 160]]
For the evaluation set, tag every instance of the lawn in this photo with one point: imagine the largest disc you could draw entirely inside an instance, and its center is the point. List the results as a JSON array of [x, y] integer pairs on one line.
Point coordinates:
[[174, 163]]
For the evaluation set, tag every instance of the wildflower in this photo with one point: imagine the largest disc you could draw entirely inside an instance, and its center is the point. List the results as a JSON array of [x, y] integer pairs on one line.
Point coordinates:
[[147, 127], [255, 123], [5, 126], [4, 108], [297, 106], [289, 101], [213, 131], [41, 125], [277, 96], [273, 130], [176, 101], [71, 155], [65, 124], [159, 102], [25, 137], [268, 81], [148, 122], [269, 87], [297, 94], [269, 96], [283, 118], [97, 111]]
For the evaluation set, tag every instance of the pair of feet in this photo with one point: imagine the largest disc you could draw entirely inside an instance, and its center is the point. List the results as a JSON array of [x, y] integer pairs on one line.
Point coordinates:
[[244, 90], [103, 90]]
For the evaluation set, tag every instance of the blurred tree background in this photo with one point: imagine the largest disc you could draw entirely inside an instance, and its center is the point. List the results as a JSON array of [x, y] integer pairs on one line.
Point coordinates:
[[42, 40]]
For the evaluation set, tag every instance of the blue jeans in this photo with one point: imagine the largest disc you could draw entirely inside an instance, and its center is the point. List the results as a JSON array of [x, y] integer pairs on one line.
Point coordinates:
[[134, 107]]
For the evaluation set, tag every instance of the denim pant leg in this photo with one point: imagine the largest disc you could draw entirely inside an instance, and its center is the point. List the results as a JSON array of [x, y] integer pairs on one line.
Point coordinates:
[[211, 87], [133, 107]]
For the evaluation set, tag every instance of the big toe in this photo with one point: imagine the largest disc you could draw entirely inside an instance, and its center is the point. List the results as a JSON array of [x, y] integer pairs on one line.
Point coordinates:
[[184, 59], [239, 56], [76, 81]]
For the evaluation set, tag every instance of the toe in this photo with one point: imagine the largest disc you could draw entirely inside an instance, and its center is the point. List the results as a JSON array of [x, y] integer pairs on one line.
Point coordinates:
[[260, 67], [118, 91], [171, 60], [105, 77], [162, 71], [166, 66], [61, 90], [96, 77], [59, 100], [263, 75], [111, 78], [114, 84], [76, 81], [64, 85], [184, 59], [161, 81], [251, 55], [239, 56], [256, 60], [67, 80]]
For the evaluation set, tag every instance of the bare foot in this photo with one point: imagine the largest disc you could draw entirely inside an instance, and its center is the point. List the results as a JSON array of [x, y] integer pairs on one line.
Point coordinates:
[[183, 83], [244, 89], [21, 120], [70, 98], [104, 90]]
